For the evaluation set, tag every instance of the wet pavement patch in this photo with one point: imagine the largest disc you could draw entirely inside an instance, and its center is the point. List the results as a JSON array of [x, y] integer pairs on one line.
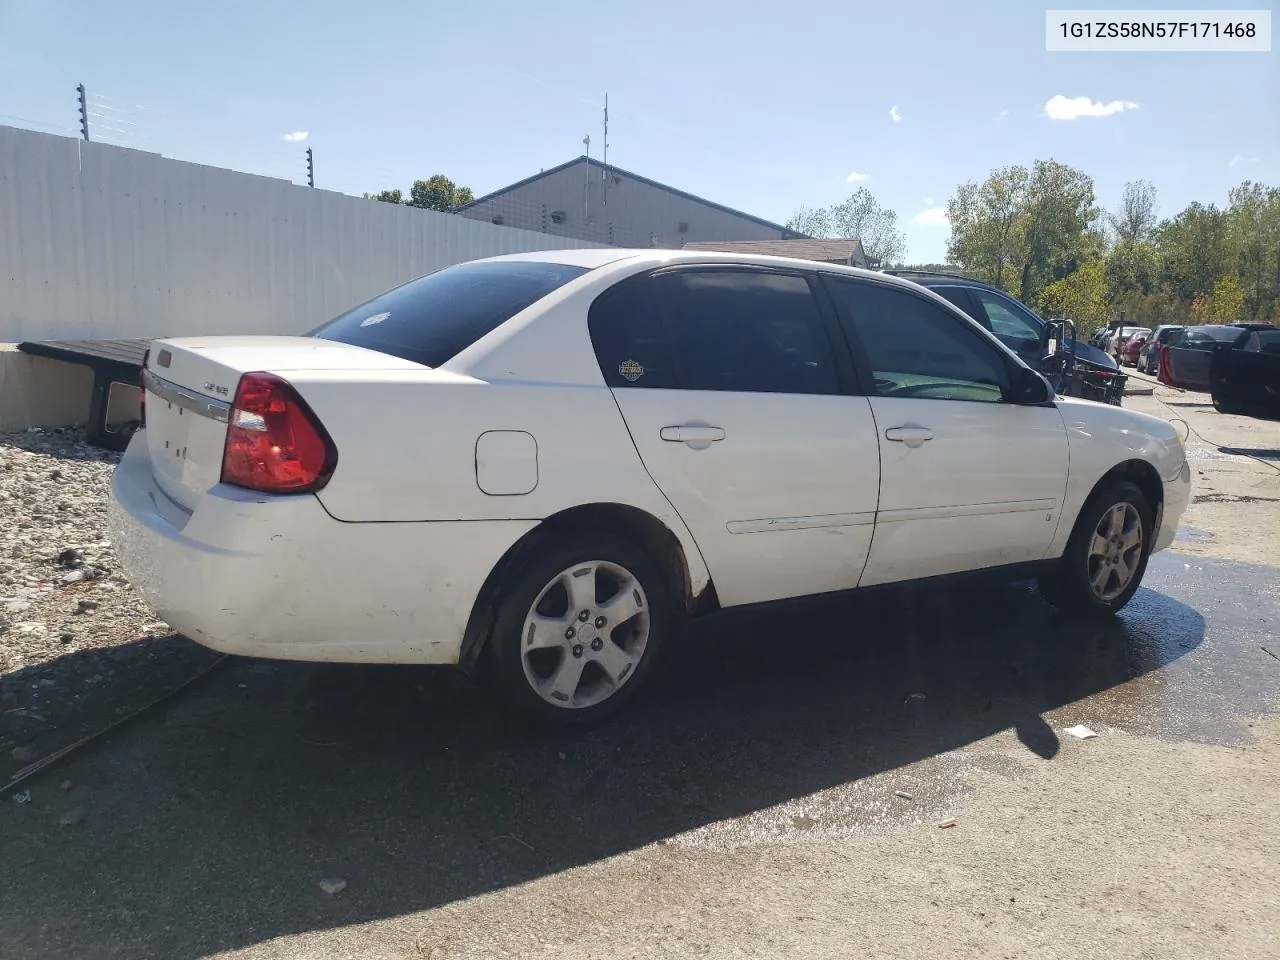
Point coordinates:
[[208, 826], [1194, 534]]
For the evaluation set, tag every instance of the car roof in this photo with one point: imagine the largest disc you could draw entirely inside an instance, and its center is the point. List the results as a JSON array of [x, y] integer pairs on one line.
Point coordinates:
[[594, 258]]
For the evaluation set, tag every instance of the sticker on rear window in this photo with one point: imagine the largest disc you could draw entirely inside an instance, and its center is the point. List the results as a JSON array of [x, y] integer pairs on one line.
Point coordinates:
[[630, 371], [376, 318]]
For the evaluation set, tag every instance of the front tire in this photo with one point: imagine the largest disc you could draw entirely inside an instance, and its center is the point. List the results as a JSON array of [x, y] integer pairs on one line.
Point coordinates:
[[579, 629], [1106, 557]]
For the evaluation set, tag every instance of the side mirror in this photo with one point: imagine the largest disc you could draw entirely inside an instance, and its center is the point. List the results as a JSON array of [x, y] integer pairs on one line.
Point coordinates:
[[1030, 389]]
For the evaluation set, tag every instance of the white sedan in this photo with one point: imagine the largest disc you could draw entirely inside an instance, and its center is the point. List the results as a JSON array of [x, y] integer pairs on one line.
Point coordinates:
[[542, 464]]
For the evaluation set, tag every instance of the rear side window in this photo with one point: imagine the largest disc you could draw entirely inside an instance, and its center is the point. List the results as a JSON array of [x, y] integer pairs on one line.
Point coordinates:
[[746, 331], [629, 340], [434, 318], [726, 330]]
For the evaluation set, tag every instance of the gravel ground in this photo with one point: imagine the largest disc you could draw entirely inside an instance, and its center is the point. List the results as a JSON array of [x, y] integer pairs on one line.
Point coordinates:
[[73, 634], [61, 590]]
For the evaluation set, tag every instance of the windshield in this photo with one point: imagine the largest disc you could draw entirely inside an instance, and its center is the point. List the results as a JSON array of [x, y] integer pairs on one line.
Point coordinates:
[[434, 318]]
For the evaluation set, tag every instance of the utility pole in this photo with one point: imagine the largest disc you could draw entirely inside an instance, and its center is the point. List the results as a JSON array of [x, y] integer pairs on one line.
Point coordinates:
[[604, 173], [84, 111], [311, 170]]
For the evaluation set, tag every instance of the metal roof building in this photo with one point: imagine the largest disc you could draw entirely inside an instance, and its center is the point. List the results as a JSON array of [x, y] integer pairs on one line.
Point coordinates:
[[585, 200], [847, 251]]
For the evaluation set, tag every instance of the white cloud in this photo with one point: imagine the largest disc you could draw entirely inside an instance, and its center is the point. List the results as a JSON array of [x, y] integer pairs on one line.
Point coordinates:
[[933, 217], [895, 113], [1072, 108], [296, 137], [855, 177], [1238, 159], [928, 201], [1001, 115]]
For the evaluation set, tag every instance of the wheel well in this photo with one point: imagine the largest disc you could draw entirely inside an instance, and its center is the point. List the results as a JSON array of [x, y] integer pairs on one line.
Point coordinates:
[[618, 519], [1137, 472]]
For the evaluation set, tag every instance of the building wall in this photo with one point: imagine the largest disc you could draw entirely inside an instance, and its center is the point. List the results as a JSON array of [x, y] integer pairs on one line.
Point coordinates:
[[631, 213], [100, 241]]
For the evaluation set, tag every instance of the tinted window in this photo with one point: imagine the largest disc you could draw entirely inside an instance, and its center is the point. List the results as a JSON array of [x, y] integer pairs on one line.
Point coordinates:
[[916, 349], [434, 318], [1264, 341], [627, 333], [745, 331], [1010, 323], [957, 295]]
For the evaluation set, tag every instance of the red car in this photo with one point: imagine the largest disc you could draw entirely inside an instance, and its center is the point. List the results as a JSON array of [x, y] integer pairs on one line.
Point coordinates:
[[1133, 346]]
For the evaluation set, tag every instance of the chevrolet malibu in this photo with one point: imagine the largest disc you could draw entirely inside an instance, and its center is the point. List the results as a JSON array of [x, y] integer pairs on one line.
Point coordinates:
[[539, 466]]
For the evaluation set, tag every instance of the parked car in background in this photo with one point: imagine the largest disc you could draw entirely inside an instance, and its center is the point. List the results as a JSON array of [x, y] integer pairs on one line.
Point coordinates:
[[1149, 355], [1246, 378], [1187, 359], [536, 466], [1133, 346], [1075, 369], [1116, 344]]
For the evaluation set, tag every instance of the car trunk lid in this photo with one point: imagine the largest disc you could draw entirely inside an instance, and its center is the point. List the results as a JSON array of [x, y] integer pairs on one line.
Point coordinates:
[[190, 384]]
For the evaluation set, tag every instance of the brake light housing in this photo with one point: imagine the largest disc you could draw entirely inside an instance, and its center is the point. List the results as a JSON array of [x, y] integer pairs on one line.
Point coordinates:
[[275, 442]]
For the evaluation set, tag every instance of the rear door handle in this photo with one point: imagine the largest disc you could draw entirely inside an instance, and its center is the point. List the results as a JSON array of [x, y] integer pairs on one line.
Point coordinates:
[[699, 433], [911, 434]]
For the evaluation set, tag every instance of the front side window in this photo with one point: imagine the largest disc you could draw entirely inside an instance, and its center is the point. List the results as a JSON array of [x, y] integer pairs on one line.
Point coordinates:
[[915, 348], [1016, 330], [434, 318]]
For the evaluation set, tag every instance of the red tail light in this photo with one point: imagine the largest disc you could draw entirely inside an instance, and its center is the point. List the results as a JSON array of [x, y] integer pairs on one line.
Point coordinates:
[[142, 390], [274, 442]]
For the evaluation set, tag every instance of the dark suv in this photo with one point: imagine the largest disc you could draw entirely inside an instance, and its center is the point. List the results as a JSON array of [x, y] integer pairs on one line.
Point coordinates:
[[1075, 369]]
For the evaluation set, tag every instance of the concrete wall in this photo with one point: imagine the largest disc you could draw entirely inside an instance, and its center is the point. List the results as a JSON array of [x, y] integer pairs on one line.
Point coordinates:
[[98, 241], [637, 213]]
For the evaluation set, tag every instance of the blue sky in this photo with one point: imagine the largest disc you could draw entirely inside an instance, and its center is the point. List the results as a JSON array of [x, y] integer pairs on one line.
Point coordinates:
[[763, 107]]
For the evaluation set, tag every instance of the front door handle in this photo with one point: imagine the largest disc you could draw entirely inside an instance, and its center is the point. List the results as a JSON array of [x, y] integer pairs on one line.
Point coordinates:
[[911, 434], [693, 433]]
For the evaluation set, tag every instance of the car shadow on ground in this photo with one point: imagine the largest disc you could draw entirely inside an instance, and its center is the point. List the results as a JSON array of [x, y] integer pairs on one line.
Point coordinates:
[[208, 825]]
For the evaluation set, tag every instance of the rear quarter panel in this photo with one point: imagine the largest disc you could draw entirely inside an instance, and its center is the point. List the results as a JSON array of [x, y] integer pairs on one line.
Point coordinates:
[[1100, 437]]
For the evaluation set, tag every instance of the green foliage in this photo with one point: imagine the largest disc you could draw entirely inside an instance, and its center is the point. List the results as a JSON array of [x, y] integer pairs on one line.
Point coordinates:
[[1038, 234], [437, 193], [1080, 295], [1224, 305]]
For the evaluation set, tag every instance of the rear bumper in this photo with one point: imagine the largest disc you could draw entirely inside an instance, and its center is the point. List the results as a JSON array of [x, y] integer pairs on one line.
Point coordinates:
[[1177, 495], [277, 577]]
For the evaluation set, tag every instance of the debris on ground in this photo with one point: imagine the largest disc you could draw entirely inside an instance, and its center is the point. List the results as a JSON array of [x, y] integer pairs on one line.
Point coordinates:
[[72, 817], [913, 696], [23, 796], [1080, 732], [57, 563], [903, 794], [946, 824], [333, 886]]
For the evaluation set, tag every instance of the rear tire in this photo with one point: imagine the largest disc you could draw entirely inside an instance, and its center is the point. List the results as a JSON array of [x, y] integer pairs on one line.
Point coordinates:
[[562, 669], [1106, 557]]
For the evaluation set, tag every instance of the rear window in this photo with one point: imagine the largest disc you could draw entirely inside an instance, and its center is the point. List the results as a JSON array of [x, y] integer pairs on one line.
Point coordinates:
[[434, 318]]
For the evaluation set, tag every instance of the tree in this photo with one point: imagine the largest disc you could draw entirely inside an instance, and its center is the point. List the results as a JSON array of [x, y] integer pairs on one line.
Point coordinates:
[[859, 216], [1224, 305], [1196, 250], [1022, 229], [810, 221], [1057, 234], [1080, 296], [1253, 215], [983, 220], [438, 193], [1136, 219]]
